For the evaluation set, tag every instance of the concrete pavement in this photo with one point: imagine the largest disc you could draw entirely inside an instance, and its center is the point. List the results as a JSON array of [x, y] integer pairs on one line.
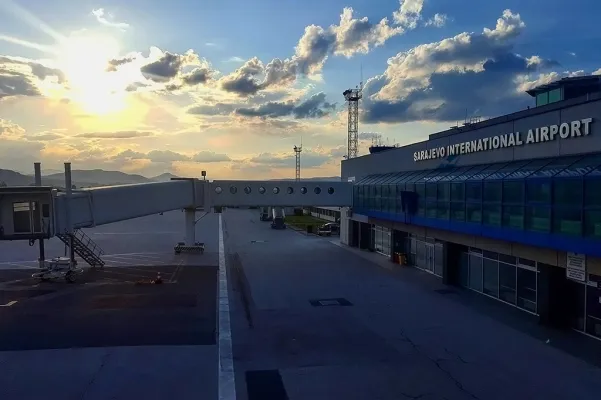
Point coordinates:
[[395, 340]]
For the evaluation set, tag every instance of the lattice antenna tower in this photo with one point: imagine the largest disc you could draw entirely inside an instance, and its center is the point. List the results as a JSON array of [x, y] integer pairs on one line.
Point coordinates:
[[352, 97], [297, 154]]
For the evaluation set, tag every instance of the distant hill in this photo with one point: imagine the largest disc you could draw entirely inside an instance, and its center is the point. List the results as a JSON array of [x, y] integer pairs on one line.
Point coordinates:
[[97, 177]]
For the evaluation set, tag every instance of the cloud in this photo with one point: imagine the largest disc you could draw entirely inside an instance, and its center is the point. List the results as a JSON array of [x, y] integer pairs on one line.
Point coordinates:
[[115, 135], [209, 157], [310, 158], [21, 76], [428, 82], [350, 37], [314, 107], [235, 59], [168, 156], [438, 20], [101, 16]]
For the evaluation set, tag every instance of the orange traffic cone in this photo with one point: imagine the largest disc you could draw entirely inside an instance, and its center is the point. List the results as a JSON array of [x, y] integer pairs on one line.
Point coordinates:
[[158, 280]]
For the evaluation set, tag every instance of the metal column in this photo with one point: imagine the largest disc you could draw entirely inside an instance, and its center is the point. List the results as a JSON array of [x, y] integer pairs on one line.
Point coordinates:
[[190, 227], [69, 188], [38, 182]]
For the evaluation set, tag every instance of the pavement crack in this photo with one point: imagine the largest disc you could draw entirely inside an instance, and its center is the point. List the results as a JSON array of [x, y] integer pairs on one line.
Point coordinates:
[[100, 368], [457, 356]]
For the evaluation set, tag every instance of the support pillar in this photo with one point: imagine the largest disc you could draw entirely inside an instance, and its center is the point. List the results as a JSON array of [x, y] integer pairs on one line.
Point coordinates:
[[69, 189], [190, 226], [38, 182]]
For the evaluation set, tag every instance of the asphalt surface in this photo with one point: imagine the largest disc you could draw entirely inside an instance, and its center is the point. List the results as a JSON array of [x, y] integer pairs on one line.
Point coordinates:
[[116, 332], [312, 320], [309, 320]]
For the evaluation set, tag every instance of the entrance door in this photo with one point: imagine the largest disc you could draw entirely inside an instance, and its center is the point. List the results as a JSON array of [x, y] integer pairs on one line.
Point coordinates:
[[429, 257]]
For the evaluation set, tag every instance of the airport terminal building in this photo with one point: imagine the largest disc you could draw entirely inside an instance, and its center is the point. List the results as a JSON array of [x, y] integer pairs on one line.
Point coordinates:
[[509, 207]]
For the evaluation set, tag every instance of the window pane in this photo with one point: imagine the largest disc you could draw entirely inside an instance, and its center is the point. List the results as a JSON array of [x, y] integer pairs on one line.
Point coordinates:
[[542, 99], [526, 289], [513, 192], [555, 95], [442, 210], [582, 167], [491, 214], [431, 191], [592, 223], [507, 282], [458, 211], [457, 193], [476, 272], [431, 209], [513, 217], [474, 212], [491, 277], [492, 192], [473, 191], [567, 192], [444, 192], [567, 221], [528, 169], [538, 219], [538, 191], [592, 192]]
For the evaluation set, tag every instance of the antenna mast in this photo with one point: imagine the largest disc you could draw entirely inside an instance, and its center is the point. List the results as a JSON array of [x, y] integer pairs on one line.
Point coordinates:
[[352, 97], [297, 154]]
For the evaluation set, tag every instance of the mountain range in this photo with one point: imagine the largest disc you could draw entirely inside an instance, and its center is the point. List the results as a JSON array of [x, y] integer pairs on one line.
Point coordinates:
[[93, 178]]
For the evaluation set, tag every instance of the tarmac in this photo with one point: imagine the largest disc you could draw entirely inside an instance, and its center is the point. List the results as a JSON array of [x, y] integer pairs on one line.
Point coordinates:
[[306, 317]]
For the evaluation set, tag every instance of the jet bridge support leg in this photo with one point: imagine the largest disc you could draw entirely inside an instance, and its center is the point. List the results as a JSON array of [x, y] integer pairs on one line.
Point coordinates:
[[190, 245]]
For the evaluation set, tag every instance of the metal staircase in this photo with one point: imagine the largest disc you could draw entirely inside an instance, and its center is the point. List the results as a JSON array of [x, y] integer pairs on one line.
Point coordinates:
[[84, 247]]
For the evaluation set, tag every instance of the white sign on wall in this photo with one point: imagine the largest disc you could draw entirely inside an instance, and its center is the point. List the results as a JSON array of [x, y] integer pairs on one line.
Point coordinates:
[[576, 267], [572, 129]]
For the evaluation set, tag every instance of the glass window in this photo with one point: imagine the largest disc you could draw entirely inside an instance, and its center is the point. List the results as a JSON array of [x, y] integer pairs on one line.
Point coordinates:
[[443, 210], [480, 175], [431, 209], [458, 211], [474, 212], [431, 191], [567, 192], [592, 192], [491, 277], [592, 223], [554, 167], [582, 167], [555, 95], [538, 218], [441, 174], [528, 169], [476, 272], [567, 221], [454, 174], [420, 189], [463, 175], [410, 187], [473, 191], [507, 280], [513, 192], [526, 282], [506, 170], [457, 193], [542, 99], [492, 192], [513, 217], [538, 191], [491, 214], [444, 192]]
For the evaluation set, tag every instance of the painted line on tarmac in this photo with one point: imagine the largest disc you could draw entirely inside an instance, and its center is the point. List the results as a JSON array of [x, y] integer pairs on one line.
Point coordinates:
[[10, 303], [227, 379], [137, 233], [136, 258]]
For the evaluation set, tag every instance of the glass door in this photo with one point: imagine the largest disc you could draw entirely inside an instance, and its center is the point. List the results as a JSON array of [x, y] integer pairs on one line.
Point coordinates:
[[430, 257]]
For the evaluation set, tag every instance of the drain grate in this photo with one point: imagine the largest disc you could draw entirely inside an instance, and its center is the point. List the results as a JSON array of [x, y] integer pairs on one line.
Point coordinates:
[[445, 291], [330, 302]]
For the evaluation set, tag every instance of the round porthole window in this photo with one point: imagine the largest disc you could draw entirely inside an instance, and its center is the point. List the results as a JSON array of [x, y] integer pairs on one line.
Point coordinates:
[[262, 190], [290, 190], [233, 189], [218, 190], [331, 190], [317, 190], [247, 190], [304, 190], [276, 190]]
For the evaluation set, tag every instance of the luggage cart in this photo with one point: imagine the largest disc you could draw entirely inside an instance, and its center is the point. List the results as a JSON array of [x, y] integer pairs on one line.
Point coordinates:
[[57, 268]]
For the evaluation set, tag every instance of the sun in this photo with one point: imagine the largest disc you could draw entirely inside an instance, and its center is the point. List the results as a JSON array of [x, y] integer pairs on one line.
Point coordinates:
[[84, 59]]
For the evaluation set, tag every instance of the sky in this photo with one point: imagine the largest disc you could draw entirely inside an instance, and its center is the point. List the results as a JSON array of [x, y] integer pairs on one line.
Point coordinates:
[[231, 86]]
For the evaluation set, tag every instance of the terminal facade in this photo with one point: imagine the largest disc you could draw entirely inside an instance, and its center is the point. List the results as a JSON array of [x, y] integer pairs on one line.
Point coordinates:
[[509, 207]]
